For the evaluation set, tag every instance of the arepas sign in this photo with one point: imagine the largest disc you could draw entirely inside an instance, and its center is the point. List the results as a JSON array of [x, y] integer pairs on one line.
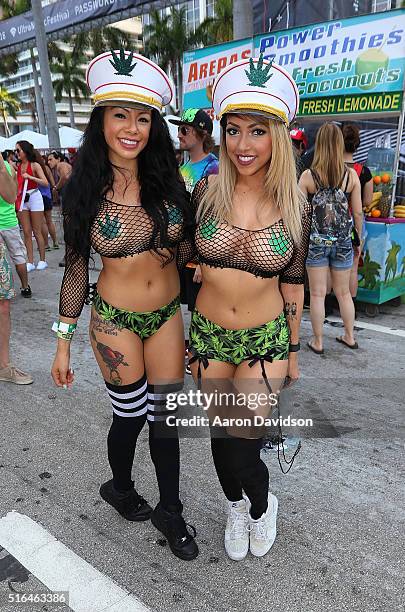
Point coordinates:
[[349, 66], [200, 67]]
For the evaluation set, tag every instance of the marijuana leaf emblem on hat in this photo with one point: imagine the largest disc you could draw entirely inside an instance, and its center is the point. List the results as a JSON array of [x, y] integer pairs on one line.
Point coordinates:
[[258, 76], [123, 65]]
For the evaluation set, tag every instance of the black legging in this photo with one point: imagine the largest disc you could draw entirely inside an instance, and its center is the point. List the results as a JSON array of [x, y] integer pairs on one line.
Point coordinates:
[[164, 450], [239, 467]]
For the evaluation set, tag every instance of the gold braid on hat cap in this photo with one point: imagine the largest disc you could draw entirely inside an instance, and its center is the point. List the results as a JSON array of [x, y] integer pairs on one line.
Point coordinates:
[[121, 96]]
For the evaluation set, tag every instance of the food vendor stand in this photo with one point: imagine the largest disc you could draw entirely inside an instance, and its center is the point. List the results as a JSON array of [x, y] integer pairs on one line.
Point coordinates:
[[345, 70]]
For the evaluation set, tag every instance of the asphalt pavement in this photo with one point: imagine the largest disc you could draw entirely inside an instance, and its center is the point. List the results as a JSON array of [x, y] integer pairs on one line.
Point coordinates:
[[341, 520]]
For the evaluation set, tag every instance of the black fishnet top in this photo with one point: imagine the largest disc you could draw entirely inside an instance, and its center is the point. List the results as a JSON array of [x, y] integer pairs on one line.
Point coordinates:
[[266, 252], [117, 231]]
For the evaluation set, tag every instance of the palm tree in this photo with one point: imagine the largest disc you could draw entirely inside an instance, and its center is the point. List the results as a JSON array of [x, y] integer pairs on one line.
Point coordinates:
[[9, 63], [99, 40], [166, 39], [157, 38], [72, 80], [370, 272], [391, 261], [12, 10], [403, 266], [219, 28], [9, 105]]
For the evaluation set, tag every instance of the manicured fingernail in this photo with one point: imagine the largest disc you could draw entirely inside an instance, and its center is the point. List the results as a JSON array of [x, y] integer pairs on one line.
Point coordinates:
[[64, 386]]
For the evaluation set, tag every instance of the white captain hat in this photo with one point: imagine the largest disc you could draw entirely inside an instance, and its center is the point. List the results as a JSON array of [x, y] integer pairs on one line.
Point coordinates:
[[127, 77], [256, 85]]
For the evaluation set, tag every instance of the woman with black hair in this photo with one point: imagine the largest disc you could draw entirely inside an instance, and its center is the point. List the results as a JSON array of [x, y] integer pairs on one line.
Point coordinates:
[[30, 204], [127, 201]]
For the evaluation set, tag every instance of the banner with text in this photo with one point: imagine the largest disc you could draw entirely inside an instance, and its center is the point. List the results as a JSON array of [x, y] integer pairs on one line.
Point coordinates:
[[360, 55], [58, 16], [200, 67], [354, 65]]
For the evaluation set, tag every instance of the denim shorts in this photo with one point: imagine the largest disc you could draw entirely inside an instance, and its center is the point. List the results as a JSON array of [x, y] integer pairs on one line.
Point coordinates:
[[338, 256]]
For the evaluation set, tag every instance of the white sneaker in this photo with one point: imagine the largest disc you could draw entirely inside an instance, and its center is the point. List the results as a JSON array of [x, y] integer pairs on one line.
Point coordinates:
[[263, 530], [42, 265], [30, 267], [237, 530]]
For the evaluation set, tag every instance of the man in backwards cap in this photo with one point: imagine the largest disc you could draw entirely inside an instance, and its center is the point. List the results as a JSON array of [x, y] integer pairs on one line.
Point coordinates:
[[195, 137], [300, 142]]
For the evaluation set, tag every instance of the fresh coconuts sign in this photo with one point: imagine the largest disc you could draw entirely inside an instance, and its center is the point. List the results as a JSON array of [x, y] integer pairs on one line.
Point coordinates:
[[340, 67], [348, 66]]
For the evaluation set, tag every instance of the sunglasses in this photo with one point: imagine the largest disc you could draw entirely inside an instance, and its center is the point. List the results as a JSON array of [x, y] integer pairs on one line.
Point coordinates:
[[184, 130], [17, 151]]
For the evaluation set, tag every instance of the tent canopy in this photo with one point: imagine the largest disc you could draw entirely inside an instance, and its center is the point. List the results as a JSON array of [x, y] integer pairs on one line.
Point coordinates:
[[3, 143], [39, 141], [69, 137]]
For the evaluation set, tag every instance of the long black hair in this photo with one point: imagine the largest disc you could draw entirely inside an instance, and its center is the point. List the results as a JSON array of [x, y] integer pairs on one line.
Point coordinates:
[[28, 148], [92, 177]]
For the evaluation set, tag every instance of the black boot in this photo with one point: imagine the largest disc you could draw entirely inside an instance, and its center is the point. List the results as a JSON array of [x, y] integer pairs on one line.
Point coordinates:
[[174, 528], [129, 504]]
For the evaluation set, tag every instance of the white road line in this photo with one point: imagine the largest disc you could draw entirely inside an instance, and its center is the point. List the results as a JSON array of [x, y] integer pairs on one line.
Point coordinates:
[[372, 327], [60, 569]]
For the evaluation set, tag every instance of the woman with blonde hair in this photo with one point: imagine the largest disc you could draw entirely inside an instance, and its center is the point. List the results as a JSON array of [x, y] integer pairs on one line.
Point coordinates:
[[333, 189], [251, 240]]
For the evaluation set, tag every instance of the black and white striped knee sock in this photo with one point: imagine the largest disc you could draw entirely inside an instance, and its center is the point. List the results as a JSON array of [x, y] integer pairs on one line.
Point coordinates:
[[158, 408], [130, 405], [129, 400]]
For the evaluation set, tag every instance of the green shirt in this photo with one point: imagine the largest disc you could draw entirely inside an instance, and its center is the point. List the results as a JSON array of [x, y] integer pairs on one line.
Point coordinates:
[[8, 216]]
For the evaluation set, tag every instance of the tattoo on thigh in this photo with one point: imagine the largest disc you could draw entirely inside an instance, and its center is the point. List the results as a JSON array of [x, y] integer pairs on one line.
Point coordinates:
[[112, 359], [290, 310], [106, 327]]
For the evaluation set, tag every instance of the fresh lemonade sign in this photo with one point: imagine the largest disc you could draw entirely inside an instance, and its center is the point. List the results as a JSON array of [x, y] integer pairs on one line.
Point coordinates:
[[351, 57]]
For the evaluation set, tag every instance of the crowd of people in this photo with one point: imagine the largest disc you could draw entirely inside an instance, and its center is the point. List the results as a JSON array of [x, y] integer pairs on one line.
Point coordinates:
[[25, 211], [237, 239]]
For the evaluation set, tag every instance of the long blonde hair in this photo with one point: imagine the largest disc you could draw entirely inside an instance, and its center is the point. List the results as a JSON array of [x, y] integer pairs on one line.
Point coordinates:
[[328, 157], [280, 184]]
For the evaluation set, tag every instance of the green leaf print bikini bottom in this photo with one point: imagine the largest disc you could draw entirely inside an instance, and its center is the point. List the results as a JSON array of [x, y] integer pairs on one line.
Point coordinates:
[[267, 342], [143, 324]]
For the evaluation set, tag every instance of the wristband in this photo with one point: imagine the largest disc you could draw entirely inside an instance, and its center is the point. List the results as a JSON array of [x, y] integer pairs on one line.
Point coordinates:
[[65, 328], [294, 348], [66, 336]]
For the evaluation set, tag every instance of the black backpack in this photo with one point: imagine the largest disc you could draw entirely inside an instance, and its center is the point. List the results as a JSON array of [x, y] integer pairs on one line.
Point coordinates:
[[331, 217]]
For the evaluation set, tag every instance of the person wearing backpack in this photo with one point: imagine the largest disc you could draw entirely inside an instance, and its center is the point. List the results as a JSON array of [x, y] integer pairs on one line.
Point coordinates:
[[351, 137], [335, 193]]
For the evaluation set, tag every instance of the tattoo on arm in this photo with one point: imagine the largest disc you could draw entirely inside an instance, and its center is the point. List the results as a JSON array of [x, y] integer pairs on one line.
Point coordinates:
[[112, 359], [290, 310]]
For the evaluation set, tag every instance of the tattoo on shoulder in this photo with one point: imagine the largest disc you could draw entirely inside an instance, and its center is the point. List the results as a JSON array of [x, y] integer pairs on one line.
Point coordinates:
[[101, 325], [290, 310]]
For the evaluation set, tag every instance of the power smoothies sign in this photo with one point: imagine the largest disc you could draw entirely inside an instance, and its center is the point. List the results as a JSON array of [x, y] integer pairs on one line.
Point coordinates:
[[350, 66], [200, 67], [345, 66]]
